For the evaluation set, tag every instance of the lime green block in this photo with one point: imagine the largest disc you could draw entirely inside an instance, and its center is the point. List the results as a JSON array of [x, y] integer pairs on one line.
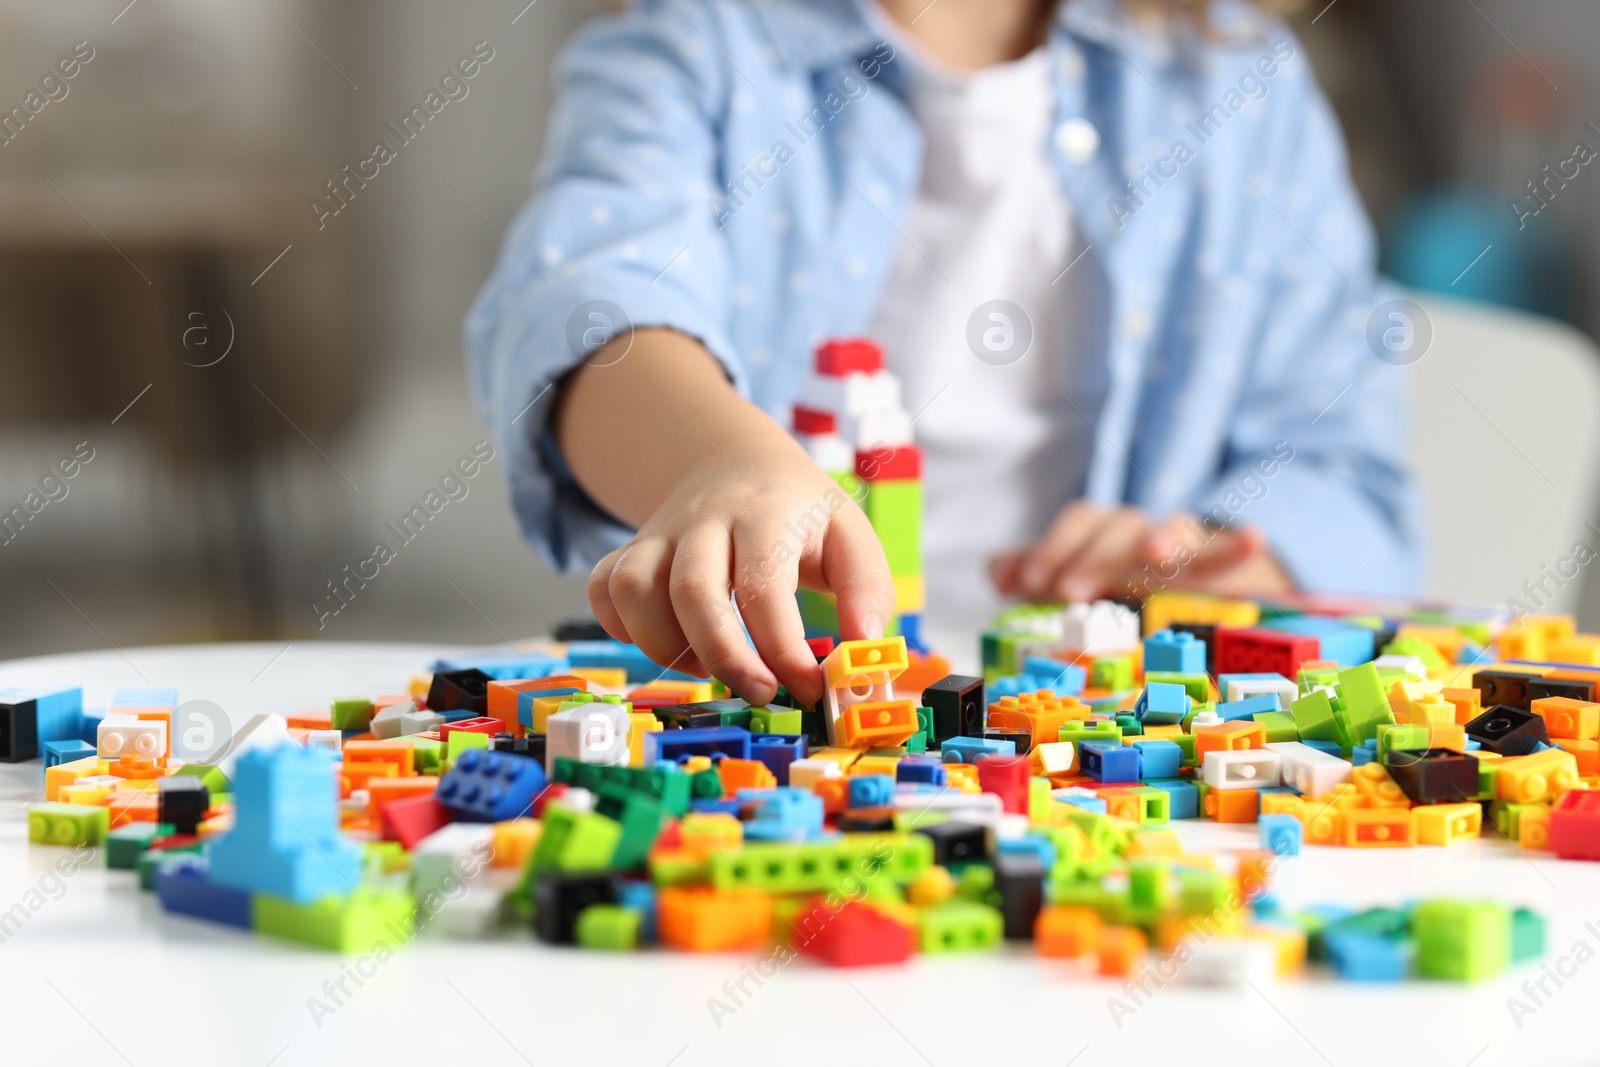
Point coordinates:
[[1280, 725], [1311, 677], [1150, 890], [425, 754], [677, 869], [54, 823], [575, 841], [1201, 892], [215, 781], [959, 927], [895, 510], [1461, 941], [1076, 730], [384, 857], [359, 922], [771, 720], [975, 883], [608, 926], [351, 713], [1185, 742], [1155, 805], [1488, 780], [461, 741], [1198, 686], [1105, 836], [907, 821], [779, 867], [1413, 646], [125, 843], [1363, 695], [1394, 737], [1313, 717], [1111, 672]]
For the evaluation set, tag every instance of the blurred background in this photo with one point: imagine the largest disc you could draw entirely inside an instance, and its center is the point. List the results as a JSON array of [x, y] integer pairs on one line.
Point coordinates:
[[261, 391]]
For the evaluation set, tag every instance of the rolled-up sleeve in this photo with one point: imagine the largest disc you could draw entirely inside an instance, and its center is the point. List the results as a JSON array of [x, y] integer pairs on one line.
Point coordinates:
[[1343, 513], [619, 214]]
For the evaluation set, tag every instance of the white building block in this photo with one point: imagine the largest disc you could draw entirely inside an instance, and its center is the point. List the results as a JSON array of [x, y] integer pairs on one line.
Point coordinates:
[[124, 735], [829, 451], [1228, 961], [1246, 768], [332, 740], [594, 732], [1242, 689], [1309, 770], [419, 722], [804, 773], [265, 730], [1100, 628], [450, 858], [1412, 665], [386, 725]]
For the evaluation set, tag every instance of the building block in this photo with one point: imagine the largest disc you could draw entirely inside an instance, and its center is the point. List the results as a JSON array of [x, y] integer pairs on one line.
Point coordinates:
[[490, 786], [959, 926], [55, 823], [1281, 834], [183, 889], [1448, 824], [355, 923], [1163, 702], [1266, 651], [65, 751], [1168, 650], [1508, 730], [1461, 941]]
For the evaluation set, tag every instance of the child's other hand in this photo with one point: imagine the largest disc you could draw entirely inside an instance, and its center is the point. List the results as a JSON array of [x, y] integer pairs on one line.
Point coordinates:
[[763, 528], [1092, 551]]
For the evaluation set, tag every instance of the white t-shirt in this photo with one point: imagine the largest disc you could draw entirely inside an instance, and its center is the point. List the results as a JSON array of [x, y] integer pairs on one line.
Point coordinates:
[[1004, 449]]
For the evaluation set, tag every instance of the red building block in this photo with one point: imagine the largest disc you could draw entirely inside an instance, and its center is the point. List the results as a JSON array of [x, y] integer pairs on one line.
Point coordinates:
[[409, 819], [810, 420], [1248, 651], [887, 463], [849, 356], [857, 935], [1006, 777], [1575, 825], [820, 646], [485, 725]]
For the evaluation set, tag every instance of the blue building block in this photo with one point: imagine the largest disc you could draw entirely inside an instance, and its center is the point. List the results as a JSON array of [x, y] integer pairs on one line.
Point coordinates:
[[667, 746], [1346, 645], [60, 713], [285, 839], [716, 805], [1360, 957], [1330, 747], [1159, 758], [777, 751], [1281, 834], [640, 897], [505, 668], [1184, 797], [182, 886], [609, 653], [1363, 754], [1167, 650], [922, 770], [1109, 761], [909, 626], [1095, 805], [55, 752], [1243, 709], [1162, 702], [450, 716], [968, 749], [144, 698], [871, 791], [1029, 844], [526, 698], [1063, 679], [782, 814], [483, 786], [92, 718]]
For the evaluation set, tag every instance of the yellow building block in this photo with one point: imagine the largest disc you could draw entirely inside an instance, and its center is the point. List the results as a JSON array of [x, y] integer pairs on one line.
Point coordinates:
[[639, 724], [844, 757], [1539, 776], [1321, 820], [1533, 828], [870, 764], [64, 773], [910, 594], [1583, 649], [1448, 824], [1169, 606], [1378, 828], [610, 677], [1377, 788], [1566, 717], [514, 842]]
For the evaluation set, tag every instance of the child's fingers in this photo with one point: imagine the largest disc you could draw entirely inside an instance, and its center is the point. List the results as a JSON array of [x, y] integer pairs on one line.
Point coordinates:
[[857, 572], [767, 572], [1178, 542], [1110, 556], [1004, 570], [605, 612], [1071, 532], [699, 596], [638, 591]]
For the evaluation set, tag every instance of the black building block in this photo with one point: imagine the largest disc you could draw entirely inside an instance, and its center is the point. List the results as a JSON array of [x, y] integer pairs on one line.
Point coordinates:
[[463, 690], [1503, 687], [19, 730], [559, 897], [957, 842], [1507, 730], [958, 707], [182, 801], [1019, 880], [1434, 775]]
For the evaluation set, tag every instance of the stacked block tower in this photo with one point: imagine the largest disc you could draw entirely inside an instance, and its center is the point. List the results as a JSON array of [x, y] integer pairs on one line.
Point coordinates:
[[851, 421]]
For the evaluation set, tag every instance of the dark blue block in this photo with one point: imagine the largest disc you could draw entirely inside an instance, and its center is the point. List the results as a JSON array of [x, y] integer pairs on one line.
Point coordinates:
[[484, 786], [1109, 761], [777, 751], [923, 770], [662, 746], [183, 889]]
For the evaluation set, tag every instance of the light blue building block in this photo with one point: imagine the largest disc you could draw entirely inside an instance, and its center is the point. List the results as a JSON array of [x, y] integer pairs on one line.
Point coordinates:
[[1064, 679], [1281, 834], [60, 713], [56, 752], [1244, 709], [1162, 702], [968, 749], [1169, 650], [285, 840], [145, 698], [783, 814], [1159, 758], [1346, 645]]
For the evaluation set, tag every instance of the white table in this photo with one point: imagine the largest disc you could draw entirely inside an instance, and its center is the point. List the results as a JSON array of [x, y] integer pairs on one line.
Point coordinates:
[[101, 975]]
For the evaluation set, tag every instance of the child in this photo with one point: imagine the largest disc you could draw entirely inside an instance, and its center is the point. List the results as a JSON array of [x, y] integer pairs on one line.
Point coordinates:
[[1110, 249]]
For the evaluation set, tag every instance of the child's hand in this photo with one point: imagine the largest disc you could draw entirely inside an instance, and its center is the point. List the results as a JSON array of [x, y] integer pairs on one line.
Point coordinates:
[[1091, 551]]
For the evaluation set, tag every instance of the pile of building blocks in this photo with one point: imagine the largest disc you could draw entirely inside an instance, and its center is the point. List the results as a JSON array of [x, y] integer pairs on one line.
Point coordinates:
[[851, 422], [575, 792]]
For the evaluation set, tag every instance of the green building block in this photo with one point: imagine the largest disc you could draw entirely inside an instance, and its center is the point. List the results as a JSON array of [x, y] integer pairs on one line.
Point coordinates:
[[1414, 646], [1069, 843], [1076, 730], [1186, 742], [1201, 892], [1150, 891], [677, 869], [1313, 716], [125, 843], [1090, 889], [382, 858], [1488, 780], [1129, 724], [1111, 672], [425, 754], [1527, 935], [461, 741], [958, 926], [608, 926], [55, 823], [216, 782], [1461, 941], [781, 867], [1280, 725], [356, 923], [1104, 836], [1198, 686], [975, 883], [894, 507], [1394, 737], [770, 720], [351, 713], [705, 785], [739, 717], [1311, 677], [666, 783], [1365, 702], [575, 841], [1155, 805], [640, 816]]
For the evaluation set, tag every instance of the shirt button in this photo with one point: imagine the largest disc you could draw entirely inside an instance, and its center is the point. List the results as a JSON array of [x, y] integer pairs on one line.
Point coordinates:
[[1078, 140]]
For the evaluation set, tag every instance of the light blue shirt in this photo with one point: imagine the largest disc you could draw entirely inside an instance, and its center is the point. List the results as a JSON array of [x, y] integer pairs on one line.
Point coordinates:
[[736, 170]]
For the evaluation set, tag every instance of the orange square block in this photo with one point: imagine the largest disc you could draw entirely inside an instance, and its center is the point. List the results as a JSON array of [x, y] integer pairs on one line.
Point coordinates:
[[1565, 717], [877, 723], [1233, 805], [311, 720], [697, 919], [1379, 827], [1468, 703], [503, 696], [382, 790], [1228, 737], [737, 774], [1122, 948], [1585, 750], [1067, 933]]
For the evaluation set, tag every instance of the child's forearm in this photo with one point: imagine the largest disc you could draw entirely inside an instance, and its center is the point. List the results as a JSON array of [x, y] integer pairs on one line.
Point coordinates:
[[632, 426]]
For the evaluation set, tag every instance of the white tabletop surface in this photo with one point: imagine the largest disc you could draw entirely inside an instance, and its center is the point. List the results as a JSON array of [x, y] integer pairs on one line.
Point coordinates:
[[100, 975]]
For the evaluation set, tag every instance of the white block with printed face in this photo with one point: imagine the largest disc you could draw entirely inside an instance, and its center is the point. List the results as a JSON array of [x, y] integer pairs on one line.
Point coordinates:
[[1243, 689], [1246, 768], [804, 773], [125, 735], [1309, 770]]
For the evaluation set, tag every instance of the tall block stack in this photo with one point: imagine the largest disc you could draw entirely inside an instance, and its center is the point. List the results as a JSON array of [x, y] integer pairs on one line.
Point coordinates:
[[851, 421]]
